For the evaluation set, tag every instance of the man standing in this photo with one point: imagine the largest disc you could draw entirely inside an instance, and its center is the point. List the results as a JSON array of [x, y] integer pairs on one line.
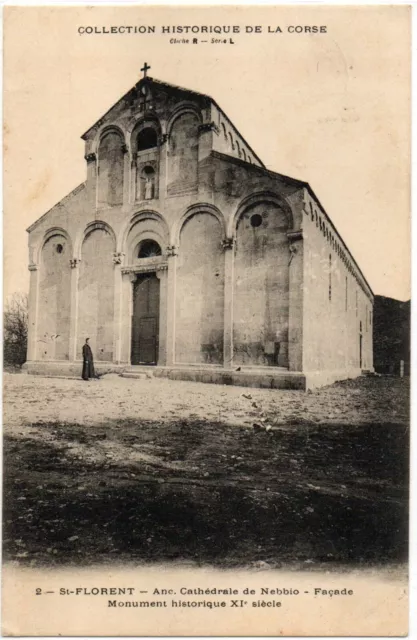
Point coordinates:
[[88, 363]]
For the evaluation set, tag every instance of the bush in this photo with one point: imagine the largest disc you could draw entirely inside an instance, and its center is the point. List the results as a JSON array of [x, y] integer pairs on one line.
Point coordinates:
[[15, 330]]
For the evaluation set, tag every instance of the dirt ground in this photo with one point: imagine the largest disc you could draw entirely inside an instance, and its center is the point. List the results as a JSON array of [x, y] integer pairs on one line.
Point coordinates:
[[156, 470]]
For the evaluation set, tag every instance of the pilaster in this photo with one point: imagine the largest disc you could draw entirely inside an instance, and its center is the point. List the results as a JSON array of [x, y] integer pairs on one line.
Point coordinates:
[[229, 259], [33, 311], [91, 159], [75, 272], [296, 299], [126, 298], [162, 274], [172, 253], [163, 165], [117, 336], [126, 176]]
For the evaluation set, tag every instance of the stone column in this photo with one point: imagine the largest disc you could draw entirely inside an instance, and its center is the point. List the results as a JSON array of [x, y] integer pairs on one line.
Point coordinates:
[[229, 260], [128, 280], [163, 164], [161, 274], [33, 312], [126, 176], [172, 253], [117, 335], [132, 180], [296, 299], [75, 272]]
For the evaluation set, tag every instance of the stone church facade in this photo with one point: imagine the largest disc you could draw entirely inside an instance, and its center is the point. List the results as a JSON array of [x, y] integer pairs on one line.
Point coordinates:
[[182, 252]]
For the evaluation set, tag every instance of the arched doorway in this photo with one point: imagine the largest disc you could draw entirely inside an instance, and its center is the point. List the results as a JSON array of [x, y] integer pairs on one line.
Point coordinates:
[[146, 305], [145, 319]]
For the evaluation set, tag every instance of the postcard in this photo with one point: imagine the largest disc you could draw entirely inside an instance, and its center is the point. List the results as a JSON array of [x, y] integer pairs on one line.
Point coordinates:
[[206, 320]]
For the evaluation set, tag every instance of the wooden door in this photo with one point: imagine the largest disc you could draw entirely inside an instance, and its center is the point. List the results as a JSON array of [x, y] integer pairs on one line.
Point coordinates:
[[145, 320]]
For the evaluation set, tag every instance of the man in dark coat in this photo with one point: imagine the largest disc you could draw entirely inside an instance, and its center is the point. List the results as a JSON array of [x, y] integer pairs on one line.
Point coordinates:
[[88, 362]]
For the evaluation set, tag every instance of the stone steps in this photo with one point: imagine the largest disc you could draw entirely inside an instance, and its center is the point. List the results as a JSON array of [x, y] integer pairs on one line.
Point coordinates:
[[136, 375]]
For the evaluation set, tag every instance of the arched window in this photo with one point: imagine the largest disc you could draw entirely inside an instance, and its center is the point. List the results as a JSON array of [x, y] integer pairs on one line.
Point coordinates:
[[224, 131], [149, 249], [231, 141], [238, 149], [147, 139], [244, 154]]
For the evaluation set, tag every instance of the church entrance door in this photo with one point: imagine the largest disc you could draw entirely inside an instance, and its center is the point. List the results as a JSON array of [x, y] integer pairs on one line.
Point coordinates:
[[145, 320]]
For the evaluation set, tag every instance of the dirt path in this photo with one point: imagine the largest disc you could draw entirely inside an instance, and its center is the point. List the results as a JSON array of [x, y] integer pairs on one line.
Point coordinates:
[[33, 399], [157, 469]]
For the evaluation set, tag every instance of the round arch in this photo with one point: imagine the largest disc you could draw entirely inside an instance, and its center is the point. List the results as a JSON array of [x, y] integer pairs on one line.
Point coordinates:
[[144, 236], [50, 233], [181, 109], [134, 220], [258, 198], [189, 213], [91, 226], [109, 128], [148, 122]]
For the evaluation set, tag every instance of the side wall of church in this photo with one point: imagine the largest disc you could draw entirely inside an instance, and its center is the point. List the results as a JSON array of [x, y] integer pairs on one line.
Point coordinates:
[[337, 310]]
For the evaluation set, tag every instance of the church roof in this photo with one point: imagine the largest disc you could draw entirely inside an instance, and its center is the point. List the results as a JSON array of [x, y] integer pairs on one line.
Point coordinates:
[[174, 89]]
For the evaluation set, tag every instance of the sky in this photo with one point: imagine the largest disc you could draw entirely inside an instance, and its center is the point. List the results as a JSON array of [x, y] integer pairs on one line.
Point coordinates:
[[330, 108]]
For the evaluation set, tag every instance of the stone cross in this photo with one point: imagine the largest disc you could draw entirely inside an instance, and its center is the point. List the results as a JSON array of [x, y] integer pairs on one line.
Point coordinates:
[[145, 69]]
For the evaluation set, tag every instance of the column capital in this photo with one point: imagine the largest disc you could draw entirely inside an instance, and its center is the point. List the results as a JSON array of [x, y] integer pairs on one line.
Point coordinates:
[[33, 267], [228, 243], [164, 138], [74, 263], [172, 251], [118, 257], [293, 236], [208, 126], [124, 148], [90, 157]]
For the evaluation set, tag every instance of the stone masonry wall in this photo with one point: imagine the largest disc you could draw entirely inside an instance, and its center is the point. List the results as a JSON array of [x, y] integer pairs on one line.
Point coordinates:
[[336, 309], [54, 300], [261, 287], [200, 292], [96, 295], [197, 208]]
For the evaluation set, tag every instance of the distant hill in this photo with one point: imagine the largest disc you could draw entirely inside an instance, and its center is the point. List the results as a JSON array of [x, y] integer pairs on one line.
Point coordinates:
[[391, 333]]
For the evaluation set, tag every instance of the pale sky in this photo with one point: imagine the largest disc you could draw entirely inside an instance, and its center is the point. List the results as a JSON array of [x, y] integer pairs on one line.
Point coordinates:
[[331, 109]]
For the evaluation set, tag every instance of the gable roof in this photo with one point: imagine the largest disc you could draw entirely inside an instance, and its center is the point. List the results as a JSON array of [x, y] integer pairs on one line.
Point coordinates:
[[173, 89]]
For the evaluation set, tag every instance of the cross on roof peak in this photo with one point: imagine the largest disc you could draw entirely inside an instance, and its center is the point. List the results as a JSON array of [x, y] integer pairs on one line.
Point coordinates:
[[145, 69]]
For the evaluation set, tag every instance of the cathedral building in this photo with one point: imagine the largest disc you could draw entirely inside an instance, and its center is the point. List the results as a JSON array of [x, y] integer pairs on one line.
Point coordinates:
[[183, 253]]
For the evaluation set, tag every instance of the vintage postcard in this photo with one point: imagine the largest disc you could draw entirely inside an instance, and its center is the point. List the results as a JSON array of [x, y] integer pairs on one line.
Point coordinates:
[[206, 320]]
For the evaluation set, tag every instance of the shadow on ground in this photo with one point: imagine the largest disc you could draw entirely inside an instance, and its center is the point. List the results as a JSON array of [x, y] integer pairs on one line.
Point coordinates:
[[206, 492]]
